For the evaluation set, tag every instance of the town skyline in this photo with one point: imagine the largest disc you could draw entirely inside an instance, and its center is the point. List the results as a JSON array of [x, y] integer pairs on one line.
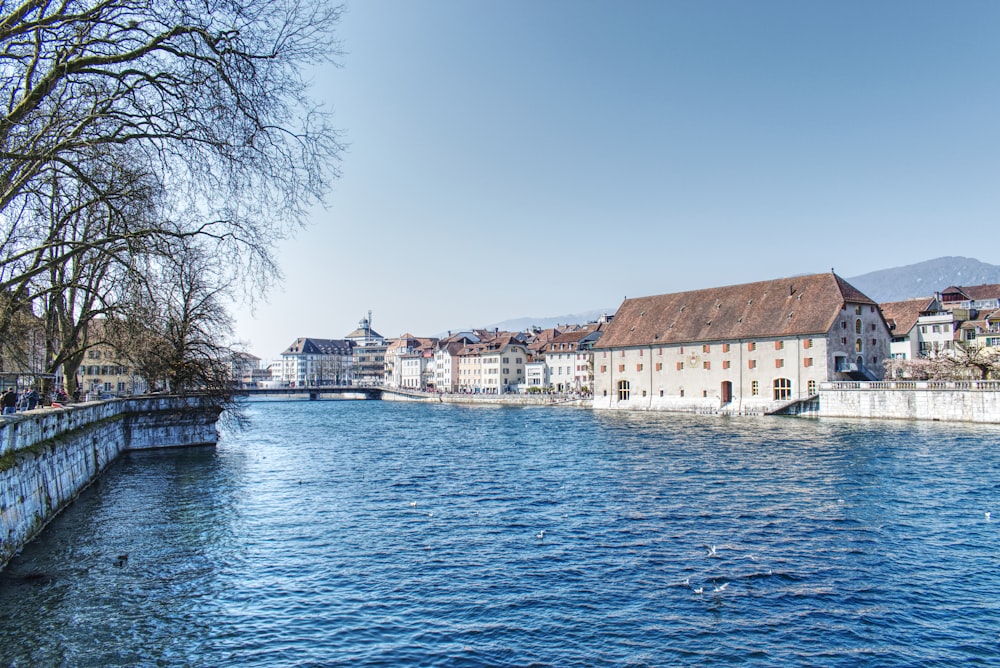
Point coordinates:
[[956, 273]]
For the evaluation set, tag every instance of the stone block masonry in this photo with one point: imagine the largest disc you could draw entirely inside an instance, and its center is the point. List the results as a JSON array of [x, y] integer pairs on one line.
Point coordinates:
[[956, 401], [49, 456]]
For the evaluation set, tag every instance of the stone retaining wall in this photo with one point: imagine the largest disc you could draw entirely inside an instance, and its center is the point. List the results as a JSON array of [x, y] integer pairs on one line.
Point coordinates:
[[48, 456], [958, 401]]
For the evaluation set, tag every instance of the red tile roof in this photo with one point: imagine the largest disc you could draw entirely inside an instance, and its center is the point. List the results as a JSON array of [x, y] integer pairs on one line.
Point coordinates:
[[903, 315], [799, 305]]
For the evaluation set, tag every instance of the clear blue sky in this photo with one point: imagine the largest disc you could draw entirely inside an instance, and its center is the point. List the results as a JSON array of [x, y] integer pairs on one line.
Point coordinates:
[[540, 158]]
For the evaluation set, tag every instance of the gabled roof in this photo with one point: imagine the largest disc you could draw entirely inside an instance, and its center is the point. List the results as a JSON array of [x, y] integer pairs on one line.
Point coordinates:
[[971, 292], [799, 305], [902, 316], [570, 340], [502, 342], [311, 346], [364, 333]]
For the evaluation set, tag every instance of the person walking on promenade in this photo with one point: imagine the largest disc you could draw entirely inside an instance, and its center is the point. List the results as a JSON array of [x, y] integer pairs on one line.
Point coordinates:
[[31, 400], [8, 401]]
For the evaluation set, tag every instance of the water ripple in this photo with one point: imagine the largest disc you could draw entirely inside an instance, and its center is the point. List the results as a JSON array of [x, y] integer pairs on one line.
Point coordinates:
[[367, 533]]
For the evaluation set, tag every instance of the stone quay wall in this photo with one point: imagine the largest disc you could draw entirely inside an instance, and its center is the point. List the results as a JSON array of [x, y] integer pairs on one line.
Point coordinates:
[[957, 401], [48, 456]]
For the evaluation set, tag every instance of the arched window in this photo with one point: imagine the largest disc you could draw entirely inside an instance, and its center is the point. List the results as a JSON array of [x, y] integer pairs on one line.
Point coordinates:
[[857, 326], [782, 388], [858, 345], [623, 390]]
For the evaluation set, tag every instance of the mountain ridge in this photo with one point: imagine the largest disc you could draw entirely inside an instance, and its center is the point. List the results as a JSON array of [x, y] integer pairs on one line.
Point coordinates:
[[921, 279]]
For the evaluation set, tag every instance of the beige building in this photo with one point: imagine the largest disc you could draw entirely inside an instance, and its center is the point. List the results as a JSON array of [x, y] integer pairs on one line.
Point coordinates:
[[738, 348], [102, 373], [503, 360]]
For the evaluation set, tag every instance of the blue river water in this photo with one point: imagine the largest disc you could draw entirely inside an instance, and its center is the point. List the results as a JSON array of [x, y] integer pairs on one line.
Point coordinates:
[[386, 534]]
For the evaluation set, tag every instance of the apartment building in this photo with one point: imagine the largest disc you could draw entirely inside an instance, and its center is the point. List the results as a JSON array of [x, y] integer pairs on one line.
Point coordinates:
[[316, 362]]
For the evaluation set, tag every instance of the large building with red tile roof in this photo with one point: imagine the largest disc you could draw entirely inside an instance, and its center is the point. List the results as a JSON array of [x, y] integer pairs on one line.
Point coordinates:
[[738, 348]]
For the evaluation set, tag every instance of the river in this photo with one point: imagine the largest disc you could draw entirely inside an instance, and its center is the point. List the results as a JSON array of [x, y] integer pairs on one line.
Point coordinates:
[[388, 534]]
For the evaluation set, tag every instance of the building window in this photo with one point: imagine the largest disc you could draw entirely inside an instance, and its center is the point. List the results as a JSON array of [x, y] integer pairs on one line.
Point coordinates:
[[644, 393], [778, 363], [680, 366], [812, 387], [751, 346], [752, 364], [682, 391], [857, 326], [661, 391], [706, 365], [621, 368], [725, 364], [808, 361], [659, 366], [857, 310], [874, 342], [782, 388], [706, 348], [725, 347], [623, 390], [807, 343], [858, 345], [755, 388], [604, 368], [779, 345], [640, 352], [659, 351], [638, 367], [704, 393], [873, 326]]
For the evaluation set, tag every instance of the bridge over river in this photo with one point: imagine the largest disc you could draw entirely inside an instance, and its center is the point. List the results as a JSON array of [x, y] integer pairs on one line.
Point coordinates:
[[334, 392]]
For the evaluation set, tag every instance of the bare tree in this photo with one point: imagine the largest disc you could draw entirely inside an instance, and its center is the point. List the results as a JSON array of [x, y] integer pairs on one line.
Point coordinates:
[[970, 360], [963, 362], [175, 329], [210, 96], [108, 105]]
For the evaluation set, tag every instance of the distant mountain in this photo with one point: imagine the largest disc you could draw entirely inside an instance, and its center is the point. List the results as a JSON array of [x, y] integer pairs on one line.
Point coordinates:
[[520, 324], [923, 279]]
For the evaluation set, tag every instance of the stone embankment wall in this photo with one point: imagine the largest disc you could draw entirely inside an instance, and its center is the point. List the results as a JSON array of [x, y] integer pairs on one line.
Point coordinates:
[[959, 401], [514, 400], [486, 399], [48, 456]]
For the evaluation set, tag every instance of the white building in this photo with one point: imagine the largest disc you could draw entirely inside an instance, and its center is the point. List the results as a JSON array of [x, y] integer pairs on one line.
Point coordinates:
[[536, 375], [316, 362], [741, 348]]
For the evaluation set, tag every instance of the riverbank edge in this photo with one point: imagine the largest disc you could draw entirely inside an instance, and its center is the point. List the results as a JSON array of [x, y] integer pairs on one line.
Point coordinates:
[[961, 402], [48, 456]]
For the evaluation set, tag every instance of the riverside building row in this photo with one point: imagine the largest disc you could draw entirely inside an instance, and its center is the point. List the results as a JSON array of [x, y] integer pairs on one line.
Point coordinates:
[[742, 348]]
